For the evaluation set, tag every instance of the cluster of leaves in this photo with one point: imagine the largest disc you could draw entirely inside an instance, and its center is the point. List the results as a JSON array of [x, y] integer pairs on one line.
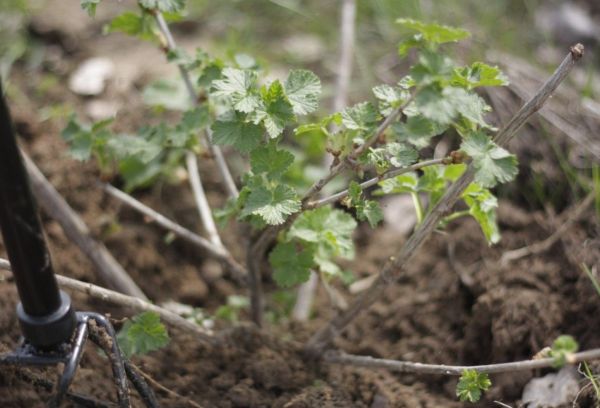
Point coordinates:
[[240, 109], [142, 334], [561, 348], [471, 385]]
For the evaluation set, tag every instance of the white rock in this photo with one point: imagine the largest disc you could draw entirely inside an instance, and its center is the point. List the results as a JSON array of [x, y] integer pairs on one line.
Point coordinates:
[[552, 390], [90, 77], [399, 213]]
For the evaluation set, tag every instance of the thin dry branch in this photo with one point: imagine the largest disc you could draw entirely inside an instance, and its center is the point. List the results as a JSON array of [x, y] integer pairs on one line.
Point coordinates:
[[344, 71], [171, 45], [542, 246], [333, 357], [371, 182], [220, 253], [106, 266], [135, 304], [391, 270]]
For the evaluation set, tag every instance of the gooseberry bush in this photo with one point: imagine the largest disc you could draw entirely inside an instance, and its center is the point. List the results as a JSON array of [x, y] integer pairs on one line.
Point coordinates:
[[381, 145]]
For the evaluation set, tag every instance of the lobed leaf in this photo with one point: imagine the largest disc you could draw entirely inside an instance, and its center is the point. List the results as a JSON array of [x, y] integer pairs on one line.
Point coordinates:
[[493, 164], [290, 266], [142, 334], [303, 89]]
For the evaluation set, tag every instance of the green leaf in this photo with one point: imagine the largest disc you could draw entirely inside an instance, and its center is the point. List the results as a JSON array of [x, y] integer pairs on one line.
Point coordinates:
[[493, 164], [362, 116], [562, 347], [471, 385], [482, 206], [167, 6], [432, 67], [268, 159], [167, 93], [418, 131], [479, 74], [240, 86], [365, 209], [390, 97], [431, 34], [231, 130], [435, 105], [273, 205], [195, 119], [276, 111], [290, 266], [142, 334], [133, 146], [391, 155], [84, 139], [89, 6], [141, 26], [303, 88]]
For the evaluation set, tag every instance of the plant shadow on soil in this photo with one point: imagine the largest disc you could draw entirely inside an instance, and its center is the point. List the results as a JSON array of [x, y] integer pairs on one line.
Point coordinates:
[[454, 305]]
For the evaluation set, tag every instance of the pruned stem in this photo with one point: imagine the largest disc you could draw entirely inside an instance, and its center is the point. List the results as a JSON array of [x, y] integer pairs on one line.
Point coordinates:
[[392, 269], [334, 357], [106, 266], [135, 304], [220, 253], [371, 182]]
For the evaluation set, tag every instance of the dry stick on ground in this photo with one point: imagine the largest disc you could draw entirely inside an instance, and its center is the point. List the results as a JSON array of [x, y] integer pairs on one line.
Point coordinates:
[[258, 249], [185, 75], [333, 357], [324, 336], [106, 266], [220, 253], [135, 304], [544, 245]]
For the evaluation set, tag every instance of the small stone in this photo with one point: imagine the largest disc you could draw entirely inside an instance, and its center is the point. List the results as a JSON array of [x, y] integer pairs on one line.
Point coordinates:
[[90, 77], [552, 390]]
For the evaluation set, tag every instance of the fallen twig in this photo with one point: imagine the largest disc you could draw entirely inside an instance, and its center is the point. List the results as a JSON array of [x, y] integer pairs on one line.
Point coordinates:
[[323, 338], [220, 253], [334, 357], [547, 243], [136, 304], [106, 266]]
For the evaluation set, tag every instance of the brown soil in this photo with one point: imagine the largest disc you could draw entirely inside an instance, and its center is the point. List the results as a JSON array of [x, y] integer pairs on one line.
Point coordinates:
[[455, 304]]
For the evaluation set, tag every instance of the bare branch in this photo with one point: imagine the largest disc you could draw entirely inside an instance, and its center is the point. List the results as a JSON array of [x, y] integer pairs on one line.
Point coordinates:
[[201, 201], [220, 253], [344, 71], [334, 357], [371, 182], [106, 266], [396, 265], [544, 245], [134, 303]]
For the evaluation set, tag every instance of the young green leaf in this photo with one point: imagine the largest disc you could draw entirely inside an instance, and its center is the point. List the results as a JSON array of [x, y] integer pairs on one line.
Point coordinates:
[[418, 131], [389, 97], [142, 334], [275, 110], [231, 129], [362, 116], [166, 6], [124, 146], [89, 6], [167, 93], [482, 206], [290, 266], [270, 160], [303, 88], [272, 204], [479, 74], [240, 87], [493, 164], [366, 210], [561, 348], [83, 139], [141, 26], [471, 385], [429, 34]]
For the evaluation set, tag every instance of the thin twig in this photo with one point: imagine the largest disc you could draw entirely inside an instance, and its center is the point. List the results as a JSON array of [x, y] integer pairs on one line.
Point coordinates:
[[371, 182], [106, 266], [136, 304], [344, 71], [334, 357], [547, 243], [201, 201], [392, 269], [220, 253], [161, 387], [185, 76]]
